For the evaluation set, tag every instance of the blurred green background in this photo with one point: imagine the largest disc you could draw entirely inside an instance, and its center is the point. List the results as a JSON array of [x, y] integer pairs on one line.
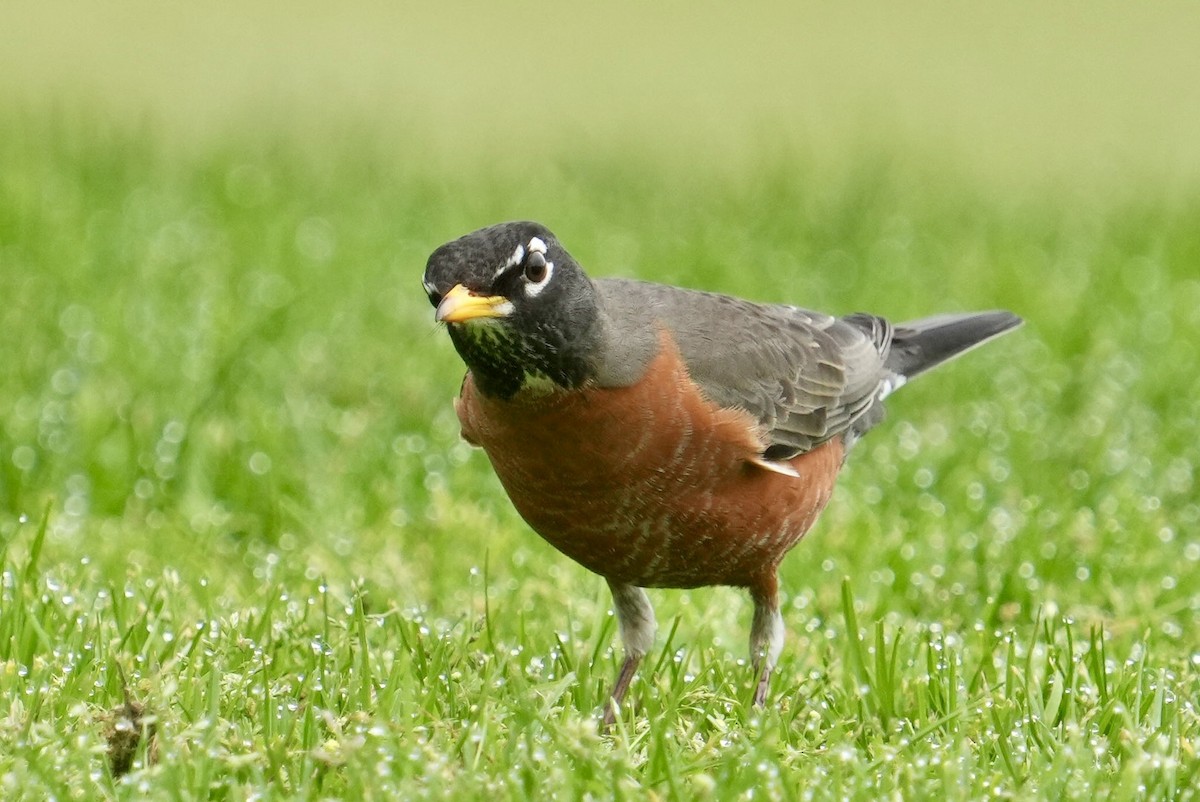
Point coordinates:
[[222, 390], [1014, 91]]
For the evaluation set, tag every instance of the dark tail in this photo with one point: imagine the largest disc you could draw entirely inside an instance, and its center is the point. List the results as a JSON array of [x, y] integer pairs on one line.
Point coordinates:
[[919, 345]]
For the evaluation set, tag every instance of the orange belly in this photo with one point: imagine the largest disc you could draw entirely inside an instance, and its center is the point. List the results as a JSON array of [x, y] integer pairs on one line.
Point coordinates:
[[652, 484]]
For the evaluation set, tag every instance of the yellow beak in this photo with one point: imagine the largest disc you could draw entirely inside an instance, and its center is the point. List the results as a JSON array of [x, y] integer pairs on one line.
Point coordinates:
[[460, 305]]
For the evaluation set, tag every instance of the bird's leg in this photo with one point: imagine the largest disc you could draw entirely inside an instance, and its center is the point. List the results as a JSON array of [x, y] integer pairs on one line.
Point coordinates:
[[766, 633], [636, 619]]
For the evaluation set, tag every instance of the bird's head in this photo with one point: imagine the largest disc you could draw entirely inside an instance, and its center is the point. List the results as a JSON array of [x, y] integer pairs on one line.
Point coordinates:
[[519, 309]]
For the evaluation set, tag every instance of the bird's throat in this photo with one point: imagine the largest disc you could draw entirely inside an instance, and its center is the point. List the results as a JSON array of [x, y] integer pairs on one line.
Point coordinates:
[[504, 362]]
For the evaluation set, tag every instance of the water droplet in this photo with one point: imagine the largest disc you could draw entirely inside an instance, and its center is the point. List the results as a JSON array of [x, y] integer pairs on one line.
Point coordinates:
[[260, 463]]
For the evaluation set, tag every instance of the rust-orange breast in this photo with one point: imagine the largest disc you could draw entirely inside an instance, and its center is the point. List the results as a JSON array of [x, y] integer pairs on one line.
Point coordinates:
[[649, 484]]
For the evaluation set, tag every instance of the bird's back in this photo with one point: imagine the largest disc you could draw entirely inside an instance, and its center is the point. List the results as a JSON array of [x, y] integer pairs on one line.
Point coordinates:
[[805, 376]]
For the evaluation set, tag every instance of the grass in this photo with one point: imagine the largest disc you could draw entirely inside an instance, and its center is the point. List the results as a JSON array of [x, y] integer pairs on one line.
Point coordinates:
[[231, 486]]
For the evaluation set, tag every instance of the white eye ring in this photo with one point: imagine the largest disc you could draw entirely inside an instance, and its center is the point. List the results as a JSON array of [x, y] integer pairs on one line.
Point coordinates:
[[532, 288]]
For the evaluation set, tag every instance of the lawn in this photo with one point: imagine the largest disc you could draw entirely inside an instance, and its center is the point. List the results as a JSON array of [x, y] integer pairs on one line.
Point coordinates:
[[236, 518]]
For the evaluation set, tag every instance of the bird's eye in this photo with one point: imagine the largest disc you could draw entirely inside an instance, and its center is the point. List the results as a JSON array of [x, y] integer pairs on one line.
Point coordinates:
[[535, 268]]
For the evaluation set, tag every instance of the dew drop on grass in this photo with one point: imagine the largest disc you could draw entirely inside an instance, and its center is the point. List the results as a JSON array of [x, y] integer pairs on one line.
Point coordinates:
[[260, 463], [24, 458], [923, 478]]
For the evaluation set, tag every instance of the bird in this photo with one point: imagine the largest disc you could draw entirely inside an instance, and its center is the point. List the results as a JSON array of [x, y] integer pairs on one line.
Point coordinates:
[[665, 437]]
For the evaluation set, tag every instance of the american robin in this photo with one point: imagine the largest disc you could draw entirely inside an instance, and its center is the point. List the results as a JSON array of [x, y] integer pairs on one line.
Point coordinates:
[[665, 437]]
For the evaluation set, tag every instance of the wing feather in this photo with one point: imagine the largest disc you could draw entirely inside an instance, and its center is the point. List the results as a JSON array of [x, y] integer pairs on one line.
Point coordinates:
[[805, 376]]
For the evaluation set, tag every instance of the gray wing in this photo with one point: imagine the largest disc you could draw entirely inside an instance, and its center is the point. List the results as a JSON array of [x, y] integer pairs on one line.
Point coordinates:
[[807, 377]]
